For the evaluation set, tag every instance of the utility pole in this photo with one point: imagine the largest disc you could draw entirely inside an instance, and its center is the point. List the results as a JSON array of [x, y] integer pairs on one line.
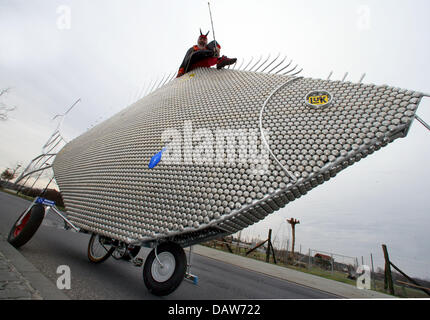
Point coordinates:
[[293, 223]]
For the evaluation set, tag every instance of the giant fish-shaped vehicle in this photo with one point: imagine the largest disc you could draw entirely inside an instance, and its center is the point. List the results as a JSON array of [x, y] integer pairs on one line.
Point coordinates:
[[209, 154]]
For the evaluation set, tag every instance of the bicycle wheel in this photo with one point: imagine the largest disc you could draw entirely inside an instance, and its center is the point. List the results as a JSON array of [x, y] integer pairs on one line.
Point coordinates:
[[99, 248], [26, 226]]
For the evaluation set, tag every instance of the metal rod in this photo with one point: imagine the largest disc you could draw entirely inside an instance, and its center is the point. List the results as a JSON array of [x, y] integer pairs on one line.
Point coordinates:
[[362, 77], [277, 65], [34, 171], [213, 30], [58, 142], [41, 172], [65, 219], [289, 63], [56, 134], [147, 88], [159, 84], [331, 72], [156, 256], [256, 63], [344, 77], [141, 92], [262, 64], [136, 97], [46, 188], [422, 122], [271, 63], [291, 69], [296, 73], [155, 82], [239, 68], [263, 138], [68, 110], [244, 69], [173, 76], [167, 79]]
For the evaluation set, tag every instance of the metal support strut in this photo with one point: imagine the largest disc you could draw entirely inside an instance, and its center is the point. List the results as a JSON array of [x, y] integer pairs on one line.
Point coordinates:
[[423, 122], [156, 257], [188, 274]]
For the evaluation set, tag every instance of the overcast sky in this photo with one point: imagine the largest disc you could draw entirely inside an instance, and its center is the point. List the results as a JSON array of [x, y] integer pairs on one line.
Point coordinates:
[[106, 52]]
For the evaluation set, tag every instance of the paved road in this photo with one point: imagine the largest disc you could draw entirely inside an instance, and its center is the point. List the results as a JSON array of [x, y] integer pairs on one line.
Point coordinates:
[[52, 247]]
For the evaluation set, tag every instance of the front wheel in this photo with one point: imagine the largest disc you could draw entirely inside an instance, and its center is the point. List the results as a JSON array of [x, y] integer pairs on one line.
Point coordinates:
[[100, 248], [26, 225], [162, 279]]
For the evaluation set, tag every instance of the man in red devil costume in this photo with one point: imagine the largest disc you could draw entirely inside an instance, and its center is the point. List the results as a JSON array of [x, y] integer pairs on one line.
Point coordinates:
[[204, 55]]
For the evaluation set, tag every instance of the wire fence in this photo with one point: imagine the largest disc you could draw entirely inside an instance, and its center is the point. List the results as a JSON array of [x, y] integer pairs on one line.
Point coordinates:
[[327, 264]]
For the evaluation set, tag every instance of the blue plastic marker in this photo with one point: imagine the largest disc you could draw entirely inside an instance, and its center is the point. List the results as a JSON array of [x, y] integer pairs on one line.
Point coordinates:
[[156, 159]]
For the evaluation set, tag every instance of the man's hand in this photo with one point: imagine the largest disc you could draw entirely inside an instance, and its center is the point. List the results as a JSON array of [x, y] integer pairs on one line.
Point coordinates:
[[217, 52]]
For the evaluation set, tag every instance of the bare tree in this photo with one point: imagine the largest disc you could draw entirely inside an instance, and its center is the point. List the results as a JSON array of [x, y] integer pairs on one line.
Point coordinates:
[[7, 174], [4, 108]]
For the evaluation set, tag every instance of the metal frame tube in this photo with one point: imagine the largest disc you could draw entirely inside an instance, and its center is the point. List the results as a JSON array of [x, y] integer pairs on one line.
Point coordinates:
[[422, 122], [64, 218]]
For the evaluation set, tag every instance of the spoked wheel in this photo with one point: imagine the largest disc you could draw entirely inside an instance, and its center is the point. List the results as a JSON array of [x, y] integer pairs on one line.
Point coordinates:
[[26, 225], [164, 273], [100, 248]]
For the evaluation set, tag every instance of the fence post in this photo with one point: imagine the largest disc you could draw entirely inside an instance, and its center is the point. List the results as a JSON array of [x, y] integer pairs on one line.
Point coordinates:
[[388, 279], [310, 261], [332, 264], [268, 245], [239, 242], [373, 273]]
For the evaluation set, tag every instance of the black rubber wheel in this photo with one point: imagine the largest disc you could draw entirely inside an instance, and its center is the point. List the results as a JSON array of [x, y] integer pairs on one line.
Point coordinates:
[[26, 226], [132, 251], [162, 281], [99, 248]]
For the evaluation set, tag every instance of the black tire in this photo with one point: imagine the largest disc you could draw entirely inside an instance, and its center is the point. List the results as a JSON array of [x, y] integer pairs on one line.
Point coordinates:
[[102, 244], [132, 251], [167, 251], [21, 233]]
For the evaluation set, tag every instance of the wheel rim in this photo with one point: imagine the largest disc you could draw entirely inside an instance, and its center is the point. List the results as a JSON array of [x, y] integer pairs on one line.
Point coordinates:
[[19, 227], [164, 272], [98, 248]]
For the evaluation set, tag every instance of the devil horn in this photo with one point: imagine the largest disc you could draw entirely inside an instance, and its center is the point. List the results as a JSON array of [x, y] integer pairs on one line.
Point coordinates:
[[207, 33], [201, 33]]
